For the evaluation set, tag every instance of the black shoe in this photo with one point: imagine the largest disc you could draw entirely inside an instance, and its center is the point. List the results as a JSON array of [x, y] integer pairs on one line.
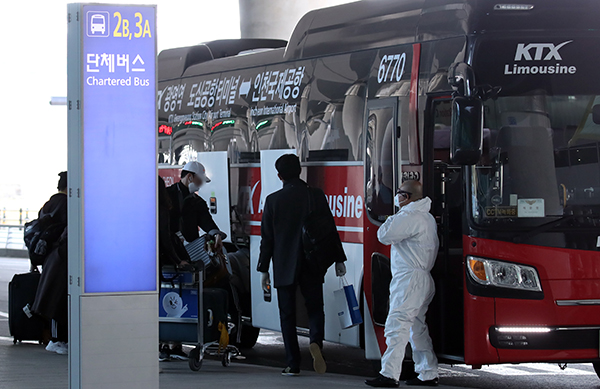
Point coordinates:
[[164, 353], [382, 382], [418, 382], [288, 371], [163, 357]]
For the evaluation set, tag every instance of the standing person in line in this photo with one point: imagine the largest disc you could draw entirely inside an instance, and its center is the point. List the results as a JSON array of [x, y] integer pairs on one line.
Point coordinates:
[[281, 231], [51, 297], [171, 252], [188, 212], [412, 232]]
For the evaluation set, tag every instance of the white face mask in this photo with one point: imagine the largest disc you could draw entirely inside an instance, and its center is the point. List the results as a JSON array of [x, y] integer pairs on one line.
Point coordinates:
[[193, 187], [397, 200]]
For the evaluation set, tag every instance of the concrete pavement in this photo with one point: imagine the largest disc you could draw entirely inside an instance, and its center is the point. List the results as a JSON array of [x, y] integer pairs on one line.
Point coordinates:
[[29, 366]]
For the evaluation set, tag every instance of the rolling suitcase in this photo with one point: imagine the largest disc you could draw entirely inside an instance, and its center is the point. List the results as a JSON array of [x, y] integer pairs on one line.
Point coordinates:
[[216, 306], [21, 291]]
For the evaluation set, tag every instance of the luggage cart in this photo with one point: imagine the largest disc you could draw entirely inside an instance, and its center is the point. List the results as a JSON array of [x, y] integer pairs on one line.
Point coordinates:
[[213, 348], [179, 327]]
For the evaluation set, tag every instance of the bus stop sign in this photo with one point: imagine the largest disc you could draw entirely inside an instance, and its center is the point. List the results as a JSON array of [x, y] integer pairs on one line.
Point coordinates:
[[118, 79]]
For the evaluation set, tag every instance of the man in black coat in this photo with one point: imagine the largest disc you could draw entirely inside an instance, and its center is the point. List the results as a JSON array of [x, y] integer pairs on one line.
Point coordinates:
[[281, 232]]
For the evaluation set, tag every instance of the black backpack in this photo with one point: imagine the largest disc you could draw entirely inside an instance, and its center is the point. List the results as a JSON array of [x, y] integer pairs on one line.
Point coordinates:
[[40, 235], [320, 238]]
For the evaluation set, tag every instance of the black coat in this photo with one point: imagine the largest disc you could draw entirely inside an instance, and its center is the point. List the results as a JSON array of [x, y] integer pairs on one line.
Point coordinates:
[[57, 202], [51, 296], [171, 251], [281, 232], [177, 193], [189, 212]]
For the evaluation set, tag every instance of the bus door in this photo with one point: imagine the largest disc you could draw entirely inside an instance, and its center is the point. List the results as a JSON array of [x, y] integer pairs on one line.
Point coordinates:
[[443, 183], [381, 176]]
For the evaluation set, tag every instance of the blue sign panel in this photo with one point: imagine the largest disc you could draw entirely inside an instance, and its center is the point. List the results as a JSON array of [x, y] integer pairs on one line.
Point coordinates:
[[119, 148]]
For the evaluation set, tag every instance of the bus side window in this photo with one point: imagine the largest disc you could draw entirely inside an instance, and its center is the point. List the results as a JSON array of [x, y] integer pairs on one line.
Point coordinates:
[[271, 133], [189, 138], [164, 150], [231, 136]]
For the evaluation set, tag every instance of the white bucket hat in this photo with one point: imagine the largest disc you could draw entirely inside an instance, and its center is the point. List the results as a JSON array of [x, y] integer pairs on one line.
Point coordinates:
[[198, 169]]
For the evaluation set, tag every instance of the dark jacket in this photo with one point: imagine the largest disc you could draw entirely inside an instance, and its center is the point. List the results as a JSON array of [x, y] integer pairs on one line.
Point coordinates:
[[170, 248], [281, 232], [177, 193], [57, 202], [51, 297], [195, 214], [189, 212]]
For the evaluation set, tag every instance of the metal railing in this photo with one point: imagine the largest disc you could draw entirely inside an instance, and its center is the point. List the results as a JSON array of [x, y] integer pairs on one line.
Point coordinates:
[[14, 216], [11, 237]]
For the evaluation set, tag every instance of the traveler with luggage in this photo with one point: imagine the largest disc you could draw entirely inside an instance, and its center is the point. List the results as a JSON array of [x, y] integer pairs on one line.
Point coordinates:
[[51, 297], [285, 213], [171, 252], [188, 212]]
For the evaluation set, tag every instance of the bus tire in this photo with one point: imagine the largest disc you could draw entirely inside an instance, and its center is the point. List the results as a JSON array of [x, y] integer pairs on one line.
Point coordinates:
[[597, 368], [249, 336], [361, 305]]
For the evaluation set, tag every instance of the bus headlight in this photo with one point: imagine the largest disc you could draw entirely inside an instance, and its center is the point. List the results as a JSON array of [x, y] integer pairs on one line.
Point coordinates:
[[503, 274]]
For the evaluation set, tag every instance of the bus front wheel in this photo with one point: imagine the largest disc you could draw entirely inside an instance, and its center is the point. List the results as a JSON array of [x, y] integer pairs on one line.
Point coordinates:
[[597, 368], [249, 336]]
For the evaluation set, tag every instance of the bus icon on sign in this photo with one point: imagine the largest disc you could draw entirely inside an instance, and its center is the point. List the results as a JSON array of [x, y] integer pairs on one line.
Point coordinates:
[[97, 24]]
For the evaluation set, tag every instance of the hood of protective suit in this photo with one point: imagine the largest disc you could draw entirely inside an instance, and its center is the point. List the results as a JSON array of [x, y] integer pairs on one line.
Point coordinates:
[[412, 233], [423, 205]]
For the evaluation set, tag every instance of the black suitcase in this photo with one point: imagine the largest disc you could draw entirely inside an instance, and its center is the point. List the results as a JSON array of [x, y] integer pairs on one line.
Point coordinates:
[[21, 291], [216, 306]]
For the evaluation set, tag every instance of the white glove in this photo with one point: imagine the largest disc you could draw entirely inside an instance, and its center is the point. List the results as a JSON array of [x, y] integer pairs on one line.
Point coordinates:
[[340, 269], [265, 281]]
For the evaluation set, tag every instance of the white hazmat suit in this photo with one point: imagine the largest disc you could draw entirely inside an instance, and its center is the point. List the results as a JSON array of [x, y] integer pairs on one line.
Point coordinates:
[[412, 232]]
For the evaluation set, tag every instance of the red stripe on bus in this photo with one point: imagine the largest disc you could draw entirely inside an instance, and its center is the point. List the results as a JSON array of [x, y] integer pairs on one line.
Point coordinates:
[[415, 147]]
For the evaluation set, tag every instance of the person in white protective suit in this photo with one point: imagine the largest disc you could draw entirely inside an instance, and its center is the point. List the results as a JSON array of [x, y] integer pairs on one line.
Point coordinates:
[[412, 232]]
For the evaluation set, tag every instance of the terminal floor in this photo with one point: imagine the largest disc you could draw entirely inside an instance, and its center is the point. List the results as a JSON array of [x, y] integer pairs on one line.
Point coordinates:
[[29, 366]]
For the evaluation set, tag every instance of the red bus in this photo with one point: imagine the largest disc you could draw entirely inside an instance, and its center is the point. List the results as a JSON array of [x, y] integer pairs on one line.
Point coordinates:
[[492, 106]]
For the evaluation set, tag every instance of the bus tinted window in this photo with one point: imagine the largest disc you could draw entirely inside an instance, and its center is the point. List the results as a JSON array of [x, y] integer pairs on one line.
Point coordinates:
[[189, 138]]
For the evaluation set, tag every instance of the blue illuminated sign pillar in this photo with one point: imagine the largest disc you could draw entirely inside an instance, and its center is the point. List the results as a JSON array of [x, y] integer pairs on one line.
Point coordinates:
[[112, 196]]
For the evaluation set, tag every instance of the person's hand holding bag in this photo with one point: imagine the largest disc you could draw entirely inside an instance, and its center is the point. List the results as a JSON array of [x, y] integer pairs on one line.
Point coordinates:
[[340, 269]]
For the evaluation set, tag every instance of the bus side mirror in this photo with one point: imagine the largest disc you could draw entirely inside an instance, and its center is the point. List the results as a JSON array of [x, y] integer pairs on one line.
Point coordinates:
[[466, 140]]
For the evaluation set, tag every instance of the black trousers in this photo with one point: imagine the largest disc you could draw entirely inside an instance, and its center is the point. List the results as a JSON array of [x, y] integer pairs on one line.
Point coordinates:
[[313, 297]]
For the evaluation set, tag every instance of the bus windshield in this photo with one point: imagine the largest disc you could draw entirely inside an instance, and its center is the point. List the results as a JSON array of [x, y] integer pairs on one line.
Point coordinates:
[[540, 160]]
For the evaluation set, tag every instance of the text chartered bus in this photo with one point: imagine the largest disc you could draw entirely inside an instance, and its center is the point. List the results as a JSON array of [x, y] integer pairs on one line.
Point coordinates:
[[492, 106]]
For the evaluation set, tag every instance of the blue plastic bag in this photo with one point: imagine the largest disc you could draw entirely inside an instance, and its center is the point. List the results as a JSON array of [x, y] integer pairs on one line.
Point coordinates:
[[347, 305]]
